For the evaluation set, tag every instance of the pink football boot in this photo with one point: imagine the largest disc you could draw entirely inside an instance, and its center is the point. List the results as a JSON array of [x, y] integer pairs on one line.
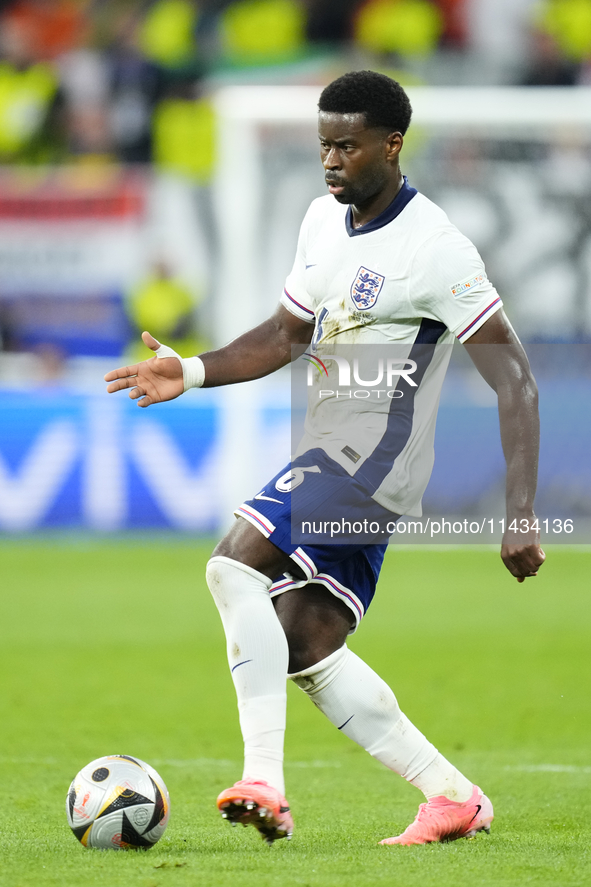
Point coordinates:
[[444, 820], [254, 802]]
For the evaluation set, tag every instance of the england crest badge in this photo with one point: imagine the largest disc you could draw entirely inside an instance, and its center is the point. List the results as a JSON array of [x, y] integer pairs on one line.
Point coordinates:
[[366, 288]]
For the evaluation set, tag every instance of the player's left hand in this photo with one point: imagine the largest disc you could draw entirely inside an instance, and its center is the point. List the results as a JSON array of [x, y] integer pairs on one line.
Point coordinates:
[[522, 554]]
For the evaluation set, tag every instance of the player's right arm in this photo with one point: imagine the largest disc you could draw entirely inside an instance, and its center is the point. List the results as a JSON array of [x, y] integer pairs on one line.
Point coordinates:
[[254, 354]]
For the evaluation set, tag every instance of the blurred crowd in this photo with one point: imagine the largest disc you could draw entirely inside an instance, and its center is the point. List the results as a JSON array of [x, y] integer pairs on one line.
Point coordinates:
[[100, 99], [128, 80]]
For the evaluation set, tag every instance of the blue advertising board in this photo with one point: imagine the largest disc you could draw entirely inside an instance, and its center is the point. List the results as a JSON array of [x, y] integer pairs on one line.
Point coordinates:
[[69, 460]]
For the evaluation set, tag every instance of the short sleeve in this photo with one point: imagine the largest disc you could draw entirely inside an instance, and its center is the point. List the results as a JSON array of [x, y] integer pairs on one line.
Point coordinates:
[[295, 297], [448, 283]]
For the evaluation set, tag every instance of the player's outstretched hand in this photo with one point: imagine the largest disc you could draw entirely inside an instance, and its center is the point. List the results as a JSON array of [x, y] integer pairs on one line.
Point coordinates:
[[151, 381], [522, 554]]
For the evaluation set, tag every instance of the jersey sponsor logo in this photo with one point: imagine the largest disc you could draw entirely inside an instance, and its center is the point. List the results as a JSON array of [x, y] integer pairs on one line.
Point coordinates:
[[459, 289], [366, 288]]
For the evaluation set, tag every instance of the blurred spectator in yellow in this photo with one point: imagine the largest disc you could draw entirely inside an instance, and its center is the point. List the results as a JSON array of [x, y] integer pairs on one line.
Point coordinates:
[[332, 22], [167, 34], [399, 27], [165, 306], [263, 32], [28, 90], [182, 122], [569, 23], [184, 135]]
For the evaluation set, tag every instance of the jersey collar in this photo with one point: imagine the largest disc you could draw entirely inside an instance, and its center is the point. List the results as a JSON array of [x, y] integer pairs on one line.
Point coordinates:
[[404, 196]]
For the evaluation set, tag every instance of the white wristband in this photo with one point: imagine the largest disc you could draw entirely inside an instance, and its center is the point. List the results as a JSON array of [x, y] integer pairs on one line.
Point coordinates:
[[193, 367], [193, 372]]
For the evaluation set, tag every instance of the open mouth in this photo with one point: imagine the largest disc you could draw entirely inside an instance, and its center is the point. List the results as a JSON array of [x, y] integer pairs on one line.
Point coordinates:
[[334, 187]]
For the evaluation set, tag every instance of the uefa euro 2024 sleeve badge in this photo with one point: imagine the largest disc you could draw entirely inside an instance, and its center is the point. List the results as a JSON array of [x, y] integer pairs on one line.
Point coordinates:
[[366, 288]]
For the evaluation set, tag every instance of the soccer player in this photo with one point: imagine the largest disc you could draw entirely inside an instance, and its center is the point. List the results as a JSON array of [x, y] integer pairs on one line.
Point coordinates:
[[376, 263]]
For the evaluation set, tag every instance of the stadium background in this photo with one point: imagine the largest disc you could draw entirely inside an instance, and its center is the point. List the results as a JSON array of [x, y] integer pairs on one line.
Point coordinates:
[[130, 198], [126, 202]]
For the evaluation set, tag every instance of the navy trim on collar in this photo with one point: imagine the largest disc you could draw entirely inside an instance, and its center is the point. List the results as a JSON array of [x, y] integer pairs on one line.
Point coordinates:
[[404, 196]]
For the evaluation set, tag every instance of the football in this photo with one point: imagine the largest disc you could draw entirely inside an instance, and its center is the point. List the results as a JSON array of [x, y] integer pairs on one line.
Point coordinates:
[[118, 802]]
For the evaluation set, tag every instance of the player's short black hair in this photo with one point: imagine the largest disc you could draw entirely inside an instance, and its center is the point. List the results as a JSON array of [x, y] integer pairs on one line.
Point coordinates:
[[382, 100]]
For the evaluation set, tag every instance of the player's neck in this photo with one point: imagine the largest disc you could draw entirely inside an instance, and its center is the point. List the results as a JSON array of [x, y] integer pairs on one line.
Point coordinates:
[[364, 213]]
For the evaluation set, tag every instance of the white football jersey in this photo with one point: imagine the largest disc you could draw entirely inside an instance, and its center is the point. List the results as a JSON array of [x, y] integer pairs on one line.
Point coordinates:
[[407, 281]]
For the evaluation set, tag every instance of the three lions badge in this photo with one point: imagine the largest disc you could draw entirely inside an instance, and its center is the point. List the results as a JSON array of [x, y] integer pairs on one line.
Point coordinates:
[[366, 288]]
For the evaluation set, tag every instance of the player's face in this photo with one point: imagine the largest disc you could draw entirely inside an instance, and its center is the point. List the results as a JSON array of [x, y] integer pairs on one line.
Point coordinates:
[[358, 161]]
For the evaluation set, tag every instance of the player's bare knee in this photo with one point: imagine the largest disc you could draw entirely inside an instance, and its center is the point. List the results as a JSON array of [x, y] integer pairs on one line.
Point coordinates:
[[245, 545], [302, 658], [315, 622], [227, 547], [319, 675], [305, 651]]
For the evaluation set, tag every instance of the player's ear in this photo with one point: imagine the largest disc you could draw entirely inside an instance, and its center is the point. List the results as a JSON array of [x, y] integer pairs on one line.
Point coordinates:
[[394, 143]]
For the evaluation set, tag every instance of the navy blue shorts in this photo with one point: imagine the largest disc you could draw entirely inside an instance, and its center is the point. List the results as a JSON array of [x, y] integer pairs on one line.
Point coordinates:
[[328, 506]]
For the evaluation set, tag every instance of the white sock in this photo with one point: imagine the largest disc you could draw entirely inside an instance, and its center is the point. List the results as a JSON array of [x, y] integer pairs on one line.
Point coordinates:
[[365, 709], [442, 778], [258, 658]]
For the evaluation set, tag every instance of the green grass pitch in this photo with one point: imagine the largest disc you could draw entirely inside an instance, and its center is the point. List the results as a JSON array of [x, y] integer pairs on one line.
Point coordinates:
[[115, 647]]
